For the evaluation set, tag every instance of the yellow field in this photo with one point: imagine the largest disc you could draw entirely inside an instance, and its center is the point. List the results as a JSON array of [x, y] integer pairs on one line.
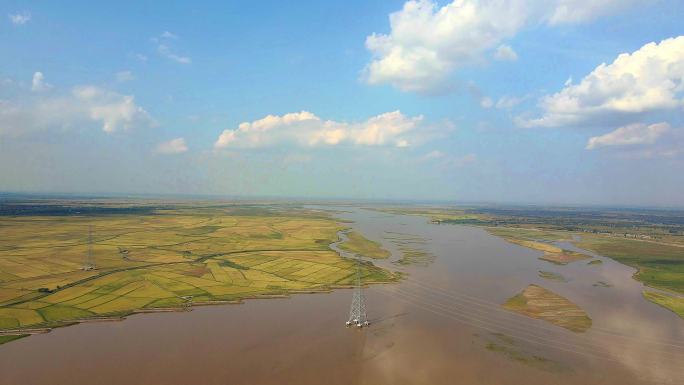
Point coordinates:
[[165, 258], [537, 302], [552, 253]]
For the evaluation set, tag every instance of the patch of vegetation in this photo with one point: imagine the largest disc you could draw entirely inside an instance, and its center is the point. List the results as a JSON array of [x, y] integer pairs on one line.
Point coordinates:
[[602, 284], [670, 302], [358, 244], [537, 302], [412, 249], [232, 264], [552, 276], [411, 256], [9, 338], [595, 262], [61, 313], [504, 344], [552, 253]]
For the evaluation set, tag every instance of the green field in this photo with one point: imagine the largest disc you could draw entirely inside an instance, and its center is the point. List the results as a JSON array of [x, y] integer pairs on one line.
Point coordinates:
[[10, 338], [675, 304], [358, 244], [659, 265], [167, 257]]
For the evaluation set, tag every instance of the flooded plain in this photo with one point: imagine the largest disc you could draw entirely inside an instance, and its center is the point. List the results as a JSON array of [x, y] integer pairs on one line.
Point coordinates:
[[442, 324]]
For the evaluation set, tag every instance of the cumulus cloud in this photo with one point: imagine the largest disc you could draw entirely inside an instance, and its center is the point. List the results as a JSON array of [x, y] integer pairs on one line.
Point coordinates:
[[81, 106], [173, 146], [38, 82], [20, 18], [308, 130], [632, 134], [647, 80], [426, 43], [114, 111], [505, 53]]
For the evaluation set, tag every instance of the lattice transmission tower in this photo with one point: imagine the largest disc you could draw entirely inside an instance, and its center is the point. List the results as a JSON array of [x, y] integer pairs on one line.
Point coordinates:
[[89, 263], [357, 313]]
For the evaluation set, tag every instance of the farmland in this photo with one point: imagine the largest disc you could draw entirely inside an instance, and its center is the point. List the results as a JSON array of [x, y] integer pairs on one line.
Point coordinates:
[[151, 257]]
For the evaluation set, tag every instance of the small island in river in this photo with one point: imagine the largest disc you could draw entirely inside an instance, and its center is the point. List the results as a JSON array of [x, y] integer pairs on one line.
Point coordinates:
[[536, 302]]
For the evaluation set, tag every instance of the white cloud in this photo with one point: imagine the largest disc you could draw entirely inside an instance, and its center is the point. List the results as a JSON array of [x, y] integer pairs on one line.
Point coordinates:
[[577, 11], [168, 35], [436, 154], [20, 18], [507, 102], [173, 146], [165, 51], [647, 80], [82, 106], [124, 76], [115, 111], [486, 102], [308, 130], [427, 42], [505, 53], [632, 134], [38, 82]]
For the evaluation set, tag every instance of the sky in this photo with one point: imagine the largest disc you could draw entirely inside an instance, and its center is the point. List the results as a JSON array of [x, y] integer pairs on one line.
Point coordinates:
[[507, 101]]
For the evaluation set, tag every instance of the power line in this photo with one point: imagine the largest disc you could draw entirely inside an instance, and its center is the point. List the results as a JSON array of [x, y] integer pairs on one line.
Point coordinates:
[[495, 328], [523, 327], [497, 308]]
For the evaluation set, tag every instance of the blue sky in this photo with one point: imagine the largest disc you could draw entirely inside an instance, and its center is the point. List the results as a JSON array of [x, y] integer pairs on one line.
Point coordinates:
[[501, 100]]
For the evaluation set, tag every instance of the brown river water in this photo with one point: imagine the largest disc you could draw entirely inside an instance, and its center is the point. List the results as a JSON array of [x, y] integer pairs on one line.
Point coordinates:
[[432, 328]]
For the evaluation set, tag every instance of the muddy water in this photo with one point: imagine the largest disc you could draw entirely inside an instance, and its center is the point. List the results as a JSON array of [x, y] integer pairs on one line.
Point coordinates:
[[433, 328]]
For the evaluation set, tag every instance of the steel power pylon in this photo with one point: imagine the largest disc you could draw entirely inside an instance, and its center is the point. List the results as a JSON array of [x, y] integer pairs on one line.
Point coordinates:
[[89, 264], [357, 313]]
